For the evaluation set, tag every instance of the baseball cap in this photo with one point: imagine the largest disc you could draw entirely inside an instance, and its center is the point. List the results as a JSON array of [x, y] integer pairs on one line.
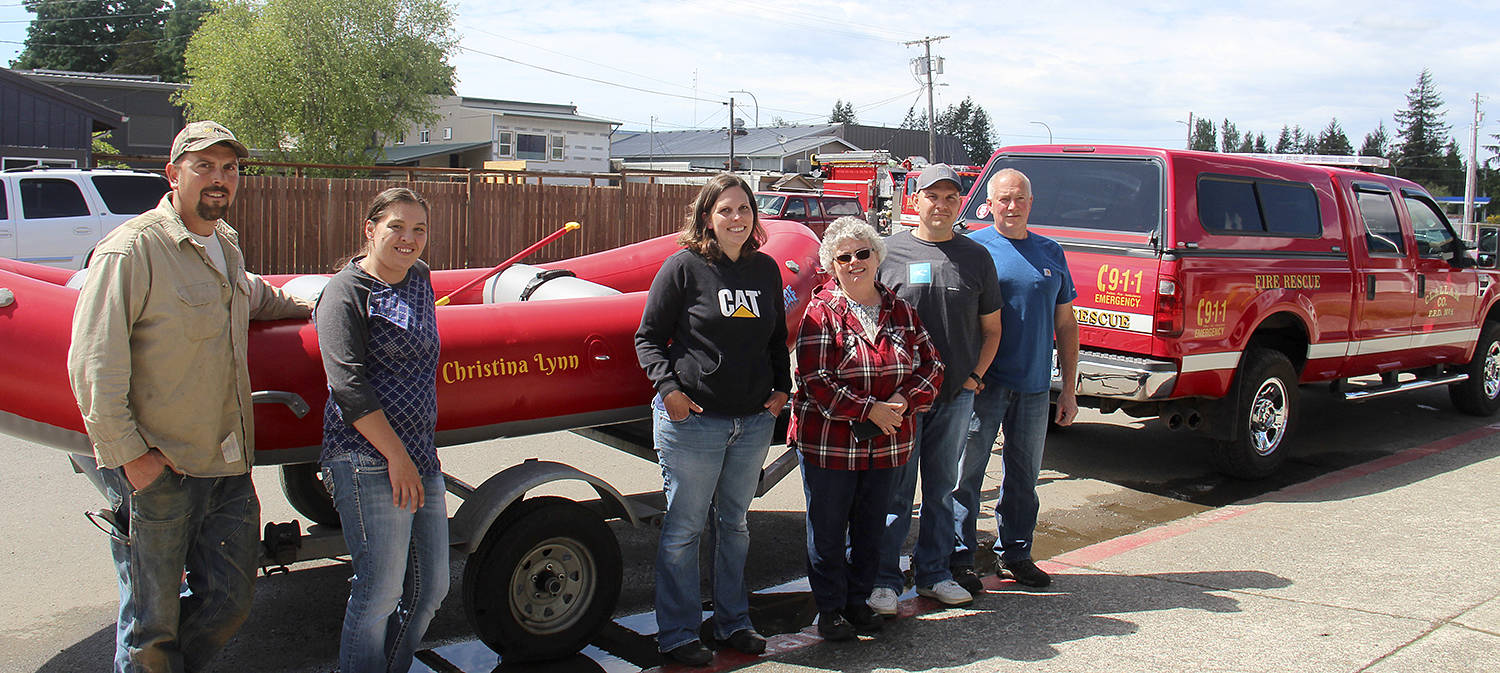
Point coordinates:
[[936, 173], [201, 135]]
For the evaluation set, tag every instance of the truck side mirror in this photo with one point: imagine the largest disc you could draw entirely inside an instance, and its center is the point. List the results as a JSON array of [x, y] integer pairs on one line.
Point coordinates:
[[1488, 246]]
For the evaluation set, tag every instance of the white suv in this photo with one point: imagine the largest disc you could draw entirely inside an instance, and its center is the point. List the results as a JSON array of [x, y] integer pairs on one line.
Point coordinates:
[[54, 216]]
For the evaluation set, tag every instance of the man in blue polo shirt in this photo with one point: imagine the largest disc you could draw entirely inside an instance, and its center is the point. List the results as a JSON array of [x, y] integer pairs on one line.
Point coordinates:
[[1039, 295]]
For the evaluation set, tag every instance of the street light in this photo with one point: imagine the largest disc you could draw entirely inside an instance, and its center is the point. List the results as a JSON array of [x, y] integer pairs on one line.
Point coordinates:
[[1045, 126], [753, 100]]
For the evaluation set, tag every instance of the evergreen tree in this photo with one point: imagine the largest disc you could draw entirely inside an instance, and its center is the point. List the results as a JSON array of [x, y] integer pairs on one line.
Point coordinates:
[[1333, 141], [968, 122], [1229, 136], [1377, 142], [1247, 144], [913, 120], [1423, 135], [182, 21], [1284, 141], [843, 113], [1204, 137], [92, 35], [1260, 146]]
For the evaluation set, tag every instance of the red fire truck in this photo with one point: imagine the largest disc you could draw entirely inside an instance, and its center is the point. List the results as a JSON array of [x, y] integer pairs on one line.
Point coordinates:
[[869, 176]]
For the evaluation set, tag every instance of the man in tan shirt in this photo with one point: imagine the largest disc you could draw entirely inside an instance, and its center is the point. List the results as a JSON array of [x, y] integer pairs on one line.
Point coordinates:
[[157, 363]]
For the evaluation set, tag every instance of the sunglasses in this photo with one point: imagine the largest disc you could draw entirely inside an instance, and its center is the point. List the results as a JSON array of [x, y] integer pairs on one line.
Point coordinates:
[[860, 254]]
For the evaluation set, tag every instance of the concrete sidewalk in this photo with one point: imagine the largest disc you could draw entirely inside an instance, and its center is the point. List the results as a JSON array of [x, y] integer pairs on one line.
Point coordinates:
[[1386, 566]]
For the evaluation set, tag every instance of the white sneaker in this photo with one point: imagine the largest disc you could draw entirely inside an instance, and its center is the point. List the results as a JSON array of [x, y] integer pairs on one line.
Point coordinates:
[[883, 601], [946, 592]]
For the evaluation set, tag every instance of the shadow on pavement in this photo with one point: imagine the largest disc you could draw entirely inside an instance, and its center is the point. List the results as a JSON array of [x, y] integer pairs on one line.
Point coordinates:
[[1027, 627]]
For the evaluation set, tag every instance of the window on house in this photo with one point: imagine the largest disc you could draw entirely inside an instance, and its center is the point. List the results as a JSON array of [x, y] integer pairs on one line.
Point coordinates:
[[559, 147], [426, 135], [531, 146], [401, 138], [504, 144], [447, 133]]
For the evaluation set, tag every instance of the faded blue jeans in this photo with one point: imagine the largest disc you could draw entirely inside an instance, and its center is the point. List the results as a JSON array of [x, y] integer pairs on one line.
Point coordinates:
[[1024, 419], [400, 564], [707, 460], [940, 440], [208, 526]]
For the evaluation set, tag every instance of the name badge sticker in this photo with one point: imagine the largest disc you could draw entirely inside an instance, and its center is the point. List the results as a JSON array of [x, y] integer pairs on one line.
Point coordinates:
[[230, 447], [919, 273]]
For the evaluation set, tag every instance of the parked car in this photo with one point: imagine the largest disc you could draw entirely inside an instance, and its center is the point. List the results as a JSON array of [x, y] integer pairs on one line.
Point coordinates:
[[55, 216], [813, 210]]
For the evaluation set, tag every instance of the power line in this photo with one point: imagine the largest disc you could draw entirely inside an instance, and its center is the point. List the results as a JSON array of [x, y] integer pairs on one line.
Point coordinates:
[[576, 58], [590, 79]]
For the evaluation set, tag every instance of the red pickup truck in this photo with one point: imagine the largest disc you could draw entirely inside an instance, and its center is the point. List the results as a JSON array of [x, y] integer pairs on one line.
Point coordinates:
[[1211, 286]]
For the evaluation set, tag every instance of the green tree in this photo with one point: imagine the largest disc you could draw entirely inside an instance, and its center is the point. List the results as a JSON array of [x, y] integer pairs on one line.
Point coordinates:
[[92, 35], [1333, 140], [182, 21], [1204, 137], [1377, 142], [1423, 135], [318, 80], [971, 125], [843, 113], [913, 120], [1283, 140], [1229, 136], [1260, 146]]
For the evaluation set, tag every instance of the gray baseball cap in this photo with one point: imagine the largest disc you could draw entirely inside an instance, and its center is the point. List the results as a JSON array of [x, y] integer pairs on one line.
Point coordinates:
[[201, 135], [936, 173]]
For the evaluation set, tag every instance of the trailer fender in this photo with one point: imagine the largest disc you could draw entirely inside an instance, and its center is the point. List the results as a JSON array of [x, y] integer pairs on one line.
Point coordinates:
[[485, 504]]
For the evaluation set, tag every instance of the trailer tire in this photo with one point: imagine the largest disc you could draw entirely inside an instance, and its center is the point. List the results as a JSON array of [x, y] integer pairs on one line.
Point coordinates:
[[543, 581], [1480, 394], [1264, 415], [308, 494]]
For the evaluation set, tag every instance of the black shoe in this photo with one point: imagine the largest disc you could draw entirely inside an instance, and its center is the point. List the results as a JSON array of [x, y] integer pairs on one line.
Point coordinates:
[[691, 654], [864, 619], [747, 641], [1025, 572], [968, 579], [833, 627]]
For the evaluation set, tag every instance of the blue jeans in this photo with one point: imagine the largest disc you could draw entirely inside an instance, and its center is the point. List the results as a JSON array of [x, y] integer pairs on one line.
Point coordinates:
[[400, 564], [1024, 419], [206, 526], [939, 446], [706, 460], [844, 505]]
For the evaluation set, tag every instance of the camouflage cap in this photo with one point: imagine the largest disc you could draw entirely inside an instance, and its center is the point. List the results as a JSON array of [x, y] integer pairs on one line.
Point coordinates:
[[200, 135]]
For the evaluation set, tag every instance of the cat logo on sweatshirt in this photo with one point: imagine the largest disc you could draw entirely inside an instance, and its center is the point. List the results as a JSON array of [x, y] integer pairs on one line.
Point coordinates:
[[739, 303]]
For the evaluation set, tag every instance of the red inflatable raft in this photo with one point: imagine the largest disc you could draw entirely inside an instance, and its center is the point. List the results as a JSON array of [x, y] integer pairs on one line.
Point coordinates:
[[535, 349]]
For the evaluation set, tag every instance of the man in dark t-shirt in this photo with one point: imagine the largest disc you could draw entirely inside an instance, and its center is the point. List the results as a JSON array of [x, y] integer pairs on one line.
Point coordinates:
[[951, 281]]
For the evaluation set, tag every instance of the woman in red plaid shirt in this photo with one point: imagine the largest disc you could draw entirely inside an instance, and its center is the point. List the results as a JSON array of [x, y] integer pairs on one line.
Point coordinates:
[[865, 369]]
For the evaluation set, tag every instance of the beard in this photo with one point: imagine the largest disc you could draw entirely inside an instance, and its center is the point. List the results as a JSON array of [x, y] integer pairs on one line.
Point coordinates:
[[211, 212]]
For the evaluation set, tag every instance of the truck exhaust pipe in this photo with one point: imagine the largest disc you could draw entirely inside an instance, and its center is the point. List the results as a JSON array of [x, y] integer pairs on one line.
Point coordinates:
[[1194, 420], [1174, 421]]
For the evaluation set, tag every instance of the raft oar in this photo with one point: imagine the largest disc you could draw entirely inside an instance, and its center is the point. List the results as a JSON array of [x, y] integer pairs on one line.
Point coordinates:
[[518, 257]]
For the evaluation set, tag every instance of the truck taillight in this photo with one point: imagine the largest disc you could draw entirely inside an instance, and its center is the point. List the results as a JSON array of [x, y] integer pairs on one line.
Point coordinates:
[[1168, 307]]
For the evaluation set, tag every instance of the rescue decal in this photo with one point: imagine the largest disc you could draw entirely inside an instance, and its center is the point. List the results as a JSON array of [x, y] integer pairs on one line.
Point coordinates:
[[1130, 322], [454, 371], [1288, 281], [1118, 287]]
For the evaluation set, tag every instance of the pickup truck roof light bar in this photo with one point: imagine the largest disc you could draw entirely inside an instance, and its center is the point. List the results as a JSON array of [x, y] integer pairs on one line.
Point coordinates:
[[1337, 160]]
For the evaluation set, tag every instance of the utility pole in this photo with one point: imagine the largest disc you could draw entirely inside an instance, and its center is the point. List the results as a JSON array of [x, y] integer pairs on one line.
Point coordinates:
[[1189, 144], [1471, 178], [927, 67]]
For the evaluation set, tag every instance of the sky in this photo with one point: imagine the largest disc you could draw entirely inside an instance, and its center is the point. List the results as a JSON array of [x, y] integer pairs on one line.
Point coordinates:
[[1093, 72]]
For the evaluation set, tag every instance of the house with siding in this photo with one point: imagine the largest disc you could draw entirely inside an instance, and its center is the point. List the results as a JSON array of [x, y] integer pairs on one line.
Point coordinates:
[[470, 131], [42, 125], [150, 118], [785, 149]]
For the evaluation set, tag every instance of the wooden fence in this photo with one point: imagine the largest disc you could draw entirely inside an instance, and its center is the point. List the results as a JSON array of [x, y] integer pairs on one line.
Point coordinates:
[[305, 225]]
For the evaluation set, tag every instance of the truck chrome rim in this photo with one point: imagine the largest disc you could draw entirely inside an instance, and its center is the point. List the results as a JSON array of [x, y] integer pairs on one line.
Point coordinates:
[[1268, 416], [552, 585], [1492, 370]]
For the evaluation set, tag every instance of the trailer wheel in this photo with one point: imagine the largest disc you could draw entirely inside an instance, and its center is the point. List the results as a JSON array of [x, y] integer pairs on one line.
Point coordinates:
[[308, 494], [543, 581], [1264, 414], [1480, 394]]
